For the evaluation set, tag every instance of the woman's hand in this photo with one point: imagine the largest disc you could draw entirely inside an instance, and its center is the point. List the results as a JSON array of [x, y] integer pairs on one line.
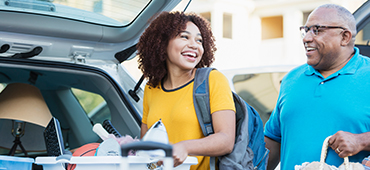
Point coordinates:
[[179, 154]]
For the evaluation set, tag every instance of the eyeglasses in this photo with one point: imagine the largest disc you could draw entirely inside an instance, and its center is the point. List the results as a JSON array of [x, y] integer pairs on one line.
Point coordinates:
[[315, 29]]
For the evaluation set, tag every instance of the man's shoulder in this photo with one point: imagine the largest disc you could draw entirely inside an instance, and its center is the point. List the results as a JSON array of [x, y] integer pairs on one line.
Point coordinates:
[[361, 57], [363, 64], [365, 59]]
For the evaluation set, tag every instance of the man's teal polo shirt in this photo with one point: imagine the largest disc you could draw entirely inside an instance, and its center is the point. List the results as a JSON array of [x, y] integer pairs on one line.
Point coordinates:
[[311, 108]]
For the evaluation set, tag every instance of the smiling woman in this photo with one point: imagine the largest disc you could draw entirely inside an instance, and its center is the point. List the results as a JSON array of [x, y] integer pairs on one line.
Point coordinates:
[[180, 58], [153, 55], [170, 51]]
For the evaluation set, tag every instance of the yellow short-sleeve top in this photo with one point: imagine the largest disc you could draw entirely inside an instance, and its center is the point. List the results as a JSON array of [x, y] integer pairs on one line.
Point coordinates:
[[176, 110]]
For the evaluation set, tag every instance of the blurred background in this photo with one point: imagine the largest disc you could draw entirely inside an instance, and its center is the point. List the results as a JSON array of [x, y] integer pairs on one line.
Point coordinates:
[[254, 33], [258, 41]]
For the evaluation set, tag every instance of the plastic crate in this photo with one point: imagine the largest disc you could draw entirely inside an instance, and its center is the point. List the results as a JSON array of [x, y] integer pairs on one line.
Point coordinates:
[[13, 162], [104, 162]]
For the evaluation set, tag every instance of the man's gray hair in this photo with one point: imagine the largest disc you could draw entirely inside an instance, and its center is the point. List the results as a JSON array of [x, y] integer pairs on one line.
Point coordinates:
[[344, 15]]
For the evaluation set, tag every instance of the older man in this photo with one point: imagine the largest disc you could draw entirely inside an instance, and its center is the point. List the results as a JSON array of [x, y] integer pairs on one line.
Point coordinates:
[[328, 96]]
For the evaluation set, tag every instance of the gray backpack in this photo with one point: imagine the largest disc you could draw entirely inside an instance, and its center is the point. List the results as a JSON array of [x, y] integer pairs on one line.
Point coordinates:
[[249, 150]]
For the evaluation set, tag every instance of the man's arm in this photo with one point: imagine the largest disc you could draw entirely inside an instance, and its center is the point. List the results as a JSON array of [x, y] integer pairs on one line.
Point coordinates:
[[274, 156]]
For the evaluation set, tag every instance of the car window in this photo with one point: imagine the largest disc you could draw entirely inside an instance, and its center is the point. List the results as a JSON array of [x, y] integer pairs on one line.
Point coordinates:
[[93, 104], [363, 36], [260, 90], [120, 12], [363, 39]]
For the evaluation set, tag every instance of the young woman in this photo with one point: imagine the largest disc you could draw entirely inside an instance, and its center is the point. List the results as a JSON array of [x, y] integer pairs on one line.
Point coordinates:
[[170, 50]]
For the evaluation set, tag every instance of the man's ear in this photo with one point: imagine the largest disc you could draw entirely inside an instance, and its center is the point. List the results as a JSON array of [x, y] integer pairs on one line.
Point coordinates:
[[346, 38]]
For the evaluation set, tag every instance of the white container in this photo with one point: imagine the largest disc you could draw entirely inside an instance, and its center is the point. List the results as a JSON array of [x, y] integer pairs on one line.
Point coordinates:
[[105, 162], [13, 162]]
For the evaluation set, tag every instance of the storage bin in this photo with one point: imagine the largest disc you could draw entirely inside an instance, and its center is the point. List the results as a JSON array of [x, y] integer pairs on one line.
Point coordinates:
[[15, 163], [104, 162]]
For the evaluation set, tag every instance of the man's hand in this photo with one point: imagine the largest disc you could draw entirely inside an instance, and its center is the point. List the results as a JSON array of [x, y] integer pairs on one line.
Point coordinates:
[[346, 144]]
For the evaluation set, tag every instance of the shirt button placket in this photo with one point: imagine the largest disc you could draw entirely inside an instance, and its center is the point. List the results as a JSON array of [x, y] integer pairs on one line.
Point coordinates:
[[319, 89]]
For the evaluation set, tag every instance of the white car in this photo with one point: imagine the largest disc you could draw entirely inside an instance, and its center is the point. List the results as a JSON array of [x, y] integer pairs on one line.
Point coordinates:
[[258, 86], [71, 51]]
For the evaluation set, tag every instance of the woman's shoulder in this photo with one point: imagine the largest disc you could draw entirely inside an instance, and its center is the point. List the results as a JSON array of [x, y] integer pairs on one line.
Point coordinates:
[[216, 73], [217, 77]]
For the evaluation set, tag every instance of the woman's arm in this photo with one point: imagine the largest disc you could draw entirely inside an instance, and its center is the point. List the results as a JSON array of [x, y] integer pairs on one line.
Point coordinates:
[[143, 130], [217, 144]]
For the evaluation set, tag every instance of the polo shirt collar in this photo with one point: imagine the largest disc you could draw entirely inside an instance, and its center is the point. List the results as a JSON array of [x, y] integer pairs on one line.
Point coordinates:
[[349, 68]]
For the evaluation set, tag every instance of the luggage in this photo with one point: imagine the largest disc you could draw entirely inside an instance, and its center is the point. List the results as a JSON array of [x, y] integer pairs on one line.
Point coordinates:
[[249, 150]]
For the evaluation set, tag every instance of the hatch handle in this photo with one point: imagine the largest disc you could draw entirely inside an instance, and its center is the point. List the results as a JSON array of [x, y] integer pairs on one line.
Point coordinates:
[[133, 93], [36, 51]]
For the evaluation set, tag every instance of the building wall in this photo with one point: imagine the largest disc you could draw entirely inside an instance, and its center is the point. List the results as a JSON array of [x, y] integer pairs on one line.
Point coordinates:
[[247, 47]]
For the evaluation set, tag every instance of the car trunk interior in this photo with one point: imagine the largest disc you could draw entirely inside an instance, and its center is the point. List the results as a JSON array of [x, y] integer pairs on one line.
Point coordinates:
[[55, 81]]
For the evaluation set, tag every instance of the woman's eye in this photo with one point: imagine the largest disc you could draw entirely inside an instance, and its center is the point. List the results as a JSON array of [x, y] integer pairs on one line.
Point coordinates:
[[184, 36], [200, 40]]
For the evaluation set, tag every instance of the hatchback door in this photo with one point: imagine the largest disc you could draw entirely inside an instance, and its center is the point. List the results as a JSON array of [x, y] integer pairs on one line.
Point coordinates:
[[362, 16]]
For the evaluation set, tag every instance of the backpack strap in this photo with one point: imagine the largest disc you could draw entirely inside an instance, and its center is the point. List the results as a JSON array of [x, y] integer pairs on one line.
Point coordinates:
[[202, 104], [201, 100]]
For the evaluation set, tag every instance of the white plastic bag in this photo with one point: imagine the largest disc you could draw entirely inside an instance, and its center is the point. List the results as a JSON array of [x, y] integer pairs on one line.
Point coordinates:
[[323, 166]]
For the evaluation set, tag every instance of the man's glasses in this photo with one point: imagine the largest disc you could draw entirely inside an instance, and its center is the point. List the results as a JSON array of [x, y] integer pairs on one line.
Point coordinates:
[[315, 29]]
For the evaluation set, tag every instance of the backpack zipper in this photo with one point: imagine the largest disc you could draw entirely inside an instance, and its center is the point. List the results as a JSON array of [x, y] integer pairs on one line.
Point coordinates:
[[263, 158]]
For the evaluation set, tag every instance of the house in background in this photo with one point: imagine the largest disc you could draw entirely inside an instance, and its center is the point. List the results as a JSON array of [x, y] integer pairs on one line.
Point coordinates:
[[259, 41], [254, 33]]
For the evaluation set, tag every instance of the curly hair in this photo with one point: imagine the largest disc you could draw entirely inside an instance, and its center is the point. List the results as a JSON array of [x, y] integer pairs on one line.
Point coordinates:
[[152, 46]]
